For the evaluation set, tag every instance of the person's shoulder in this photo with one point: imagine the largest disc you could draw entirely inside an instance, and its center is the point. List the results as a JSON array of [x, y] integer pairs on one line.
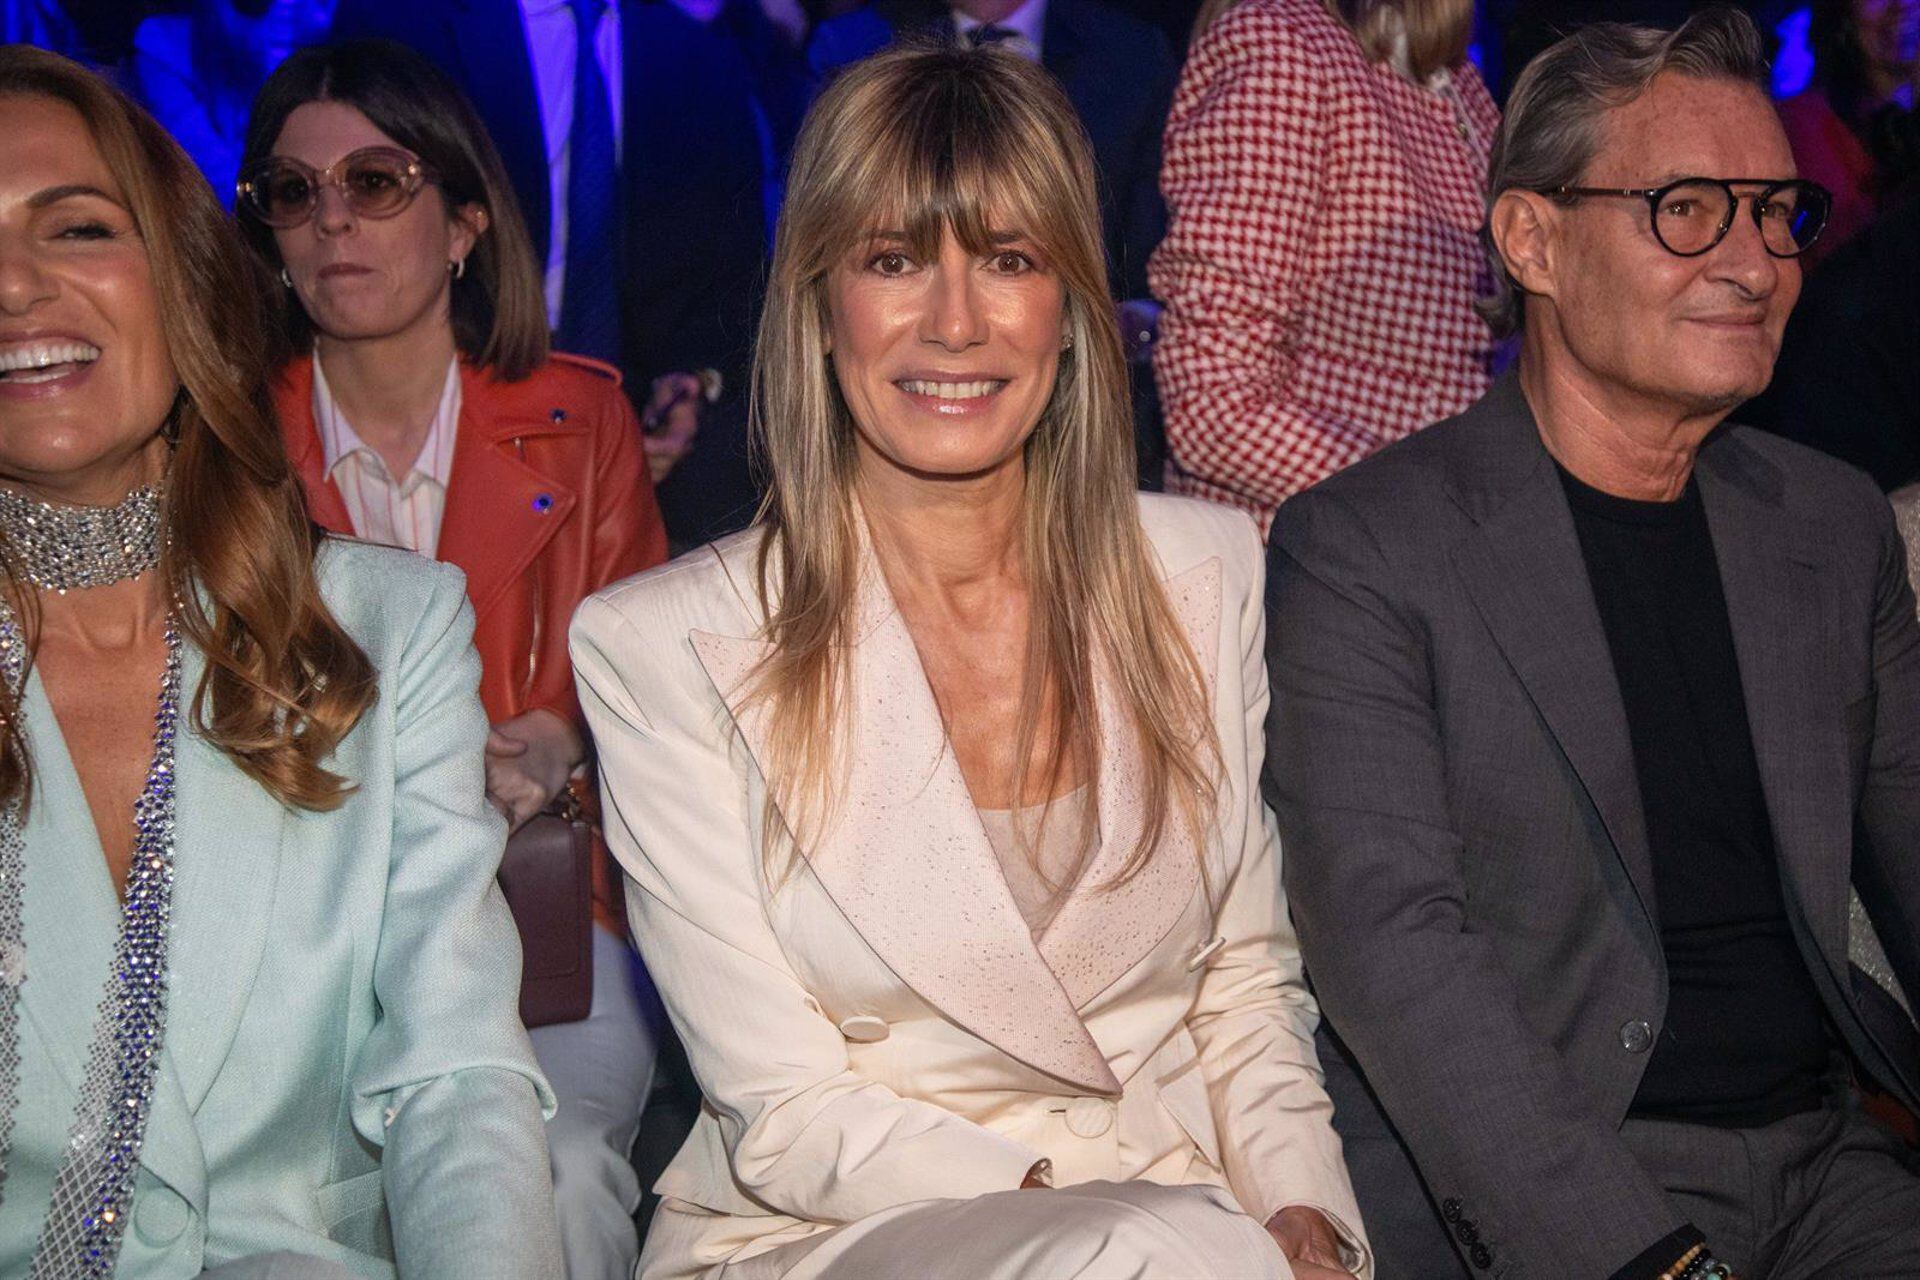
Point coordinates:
[[382, 594], [562, 375], [714, 588], [1188, 532], [1400, 502], [1804, 478], [1405, 472], [1293, 30], [566, 389]]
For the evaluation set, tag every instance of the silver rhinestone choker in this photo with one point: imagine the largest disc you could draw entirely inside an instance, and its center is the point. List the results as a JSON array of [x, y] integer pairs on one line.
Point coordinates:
[[62, 548]]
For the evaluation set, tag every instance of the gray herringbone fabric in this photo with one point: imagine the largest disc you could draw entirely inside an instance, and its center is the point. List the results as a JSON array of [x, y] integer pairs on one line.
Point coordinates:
[[1466, 856]]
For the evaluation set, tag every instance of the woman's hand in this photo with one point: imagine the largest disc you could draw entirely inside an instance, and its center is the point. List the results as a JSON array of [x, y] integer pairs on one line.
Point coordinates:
[[671, 420], [1309, 1242], [529, 759]]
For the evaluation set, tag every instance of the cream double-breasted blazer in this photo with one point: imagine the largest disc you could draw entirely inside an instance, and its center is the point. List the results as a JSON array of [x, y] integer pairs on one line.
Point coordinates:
[[879, 1027]]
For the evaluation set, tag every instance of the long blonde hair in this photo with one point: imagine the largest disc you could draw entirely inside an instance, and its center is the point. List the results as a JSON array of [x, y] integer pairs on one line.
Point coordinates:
[[284, 682], [929, 140]]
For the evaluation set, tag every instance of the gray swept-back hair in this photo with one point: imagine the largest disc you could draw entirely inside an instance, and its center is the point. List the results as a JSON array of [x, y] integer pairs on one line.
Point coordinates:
[[1554, 117]]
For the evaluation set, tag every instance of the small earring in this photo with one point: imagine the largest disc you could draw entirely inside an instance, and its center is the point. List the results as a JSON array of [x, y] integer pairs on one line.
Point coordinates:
[[1066, 342], [285, 278], [458, 267]]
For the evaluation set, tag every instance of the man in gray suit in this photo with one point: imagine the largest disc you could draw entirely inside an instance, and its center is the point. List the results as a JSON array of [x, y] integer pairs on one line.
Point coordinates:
[[1587, 711]]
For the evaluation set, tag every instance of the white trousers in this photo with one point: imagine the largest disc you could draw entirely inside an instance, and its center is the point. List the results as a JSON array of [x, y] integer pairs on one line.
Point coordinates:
[[1091, 1231], [602, 1069]]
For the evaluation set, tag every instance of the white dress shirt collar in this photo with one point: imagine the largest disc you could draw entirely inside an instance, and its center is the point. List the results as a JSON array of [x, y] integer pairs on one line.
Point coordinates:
[[338, 439]]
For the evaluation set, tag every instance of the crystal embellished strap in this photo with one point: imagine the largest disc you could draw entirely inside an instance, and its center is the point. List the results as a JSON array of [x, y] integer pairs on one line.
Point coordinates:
[[91, 1190], [13, 944]]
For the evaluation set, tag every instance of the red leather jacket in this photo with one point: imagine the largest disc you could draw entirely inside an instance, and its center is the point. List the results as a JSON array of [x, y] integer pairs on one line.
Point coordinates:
[[548, 501]]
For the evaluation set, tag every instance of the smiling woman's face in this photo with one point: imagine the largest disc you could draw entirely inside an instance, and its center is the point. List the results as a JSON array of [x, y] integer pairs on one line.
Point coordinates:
[[86, 378], [946, 365]]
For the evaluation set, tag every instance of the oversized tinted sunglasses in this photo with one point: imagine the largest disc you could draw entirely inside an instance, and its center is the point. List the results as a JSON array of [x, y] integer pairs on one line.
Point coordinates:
[[1693, 215], [376, 182]]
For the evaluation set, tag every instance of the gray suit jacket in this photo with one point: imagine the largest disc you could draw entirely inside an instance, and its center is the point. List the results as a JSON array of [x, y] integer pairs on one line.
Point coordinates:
[[1466, 855]]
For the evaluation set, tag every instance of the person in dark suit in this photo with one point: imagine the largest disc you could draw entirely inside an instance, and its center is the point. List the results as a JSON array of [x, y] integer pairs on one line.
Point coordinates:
[[1591, 716], [1119, 72], [668, 283]]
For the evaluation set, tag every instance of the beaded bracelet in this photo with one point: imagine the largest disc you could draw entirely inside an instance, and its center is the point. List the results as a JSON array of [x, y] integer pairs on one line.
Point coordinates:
[[1704, 1266], [1682, 1269]]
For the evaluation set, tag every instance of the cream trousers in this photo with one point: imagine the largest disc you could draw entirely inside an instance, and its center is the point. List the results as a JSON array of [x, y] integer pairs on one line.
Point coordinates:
[[1091, 1231]]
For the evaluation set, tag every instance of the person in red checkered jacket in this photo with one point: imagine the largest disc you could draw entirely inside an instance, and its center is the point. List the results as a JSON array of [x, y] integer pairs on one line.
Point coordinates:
[[1324, 169]]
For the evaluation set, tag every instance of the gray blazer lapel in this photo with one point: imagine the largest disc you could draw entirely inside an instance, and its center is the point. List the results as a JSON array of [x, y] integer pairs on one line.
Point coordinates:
[[1770, 571], [1528, 580]]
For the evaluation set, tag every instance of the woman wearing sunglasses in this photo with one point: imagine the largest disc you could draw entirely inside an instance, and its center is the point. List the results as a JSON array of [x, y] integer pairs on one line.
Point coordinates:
[[423, 409]]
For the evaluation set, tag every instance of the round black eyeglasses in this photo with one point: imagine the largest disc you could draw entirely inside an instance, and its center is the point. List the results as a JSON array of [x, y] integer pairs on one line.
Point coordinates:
[[1693, 215]]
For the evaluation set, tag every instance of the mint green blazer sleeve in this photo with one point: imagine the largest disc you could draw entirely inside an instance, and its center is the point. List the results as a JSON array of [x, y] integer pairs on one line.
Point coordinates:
[[466, 1157]]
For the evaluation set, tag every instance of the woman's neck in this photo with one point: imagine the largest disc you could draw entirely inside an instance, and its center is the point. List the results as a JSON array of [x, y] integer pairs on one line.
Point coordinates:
[[389, 388], [944, 541]]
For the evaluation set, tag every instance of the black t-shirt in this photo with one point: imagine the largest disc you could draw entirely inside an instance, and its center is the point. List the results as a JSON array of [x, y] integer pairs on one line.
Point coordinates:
[[1746, 1040]]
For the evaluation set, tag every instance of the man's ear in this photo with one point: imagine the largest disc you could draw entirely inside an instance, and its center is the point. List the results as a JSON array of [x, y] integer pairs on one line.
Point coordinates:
[[1525, 227]]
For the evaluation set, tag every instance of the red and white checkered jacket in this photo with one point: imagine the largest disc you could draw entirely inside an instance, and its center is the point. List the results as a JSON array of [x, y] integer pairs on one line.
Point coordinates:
[[1322, 259]]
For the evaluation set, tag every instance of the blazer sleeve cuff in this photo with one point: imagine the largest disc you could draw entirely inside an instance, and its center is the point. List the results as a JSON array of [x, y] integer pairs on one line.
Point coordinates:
[[1661, 1254]]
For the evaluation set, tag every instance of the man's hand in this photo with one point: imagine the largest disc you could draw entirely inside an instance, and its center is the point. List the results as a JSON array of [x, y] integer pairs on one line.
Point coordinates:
[[671, 421], [1309, 1242], [529, 759]]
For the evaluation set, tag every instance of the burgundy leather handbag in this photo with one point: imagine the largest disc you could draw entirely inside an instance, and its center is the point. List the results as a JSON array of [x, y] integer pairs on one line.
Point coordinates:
[[547, 875]]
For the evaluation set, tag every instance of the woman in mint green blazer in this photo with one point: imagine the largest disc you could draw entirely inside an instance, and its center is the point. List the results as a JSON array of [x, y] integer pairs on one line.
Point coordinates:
[[257, 983]]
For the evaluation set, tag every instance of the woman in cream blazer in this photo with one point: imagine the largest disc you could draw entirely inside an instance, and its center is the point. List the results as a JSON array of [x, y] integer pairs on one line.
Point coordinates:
[[906, 1072]]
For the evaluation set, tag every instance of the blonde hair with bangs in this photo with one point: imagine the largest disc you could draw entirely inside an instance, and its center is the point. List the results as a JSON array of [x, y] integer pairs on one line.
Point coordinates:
[[925, 140]]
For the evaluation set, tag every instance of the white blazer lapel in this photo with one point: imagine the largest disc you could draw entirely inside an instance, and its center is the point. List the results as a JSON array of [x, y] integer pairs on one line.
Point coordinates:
[[906, 858], [1101, 932]]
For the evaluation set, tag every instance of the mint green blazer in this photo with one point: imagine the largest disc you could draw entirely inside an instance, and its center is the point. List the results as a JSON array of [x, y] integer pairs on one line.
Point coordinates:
[[345, 1075]]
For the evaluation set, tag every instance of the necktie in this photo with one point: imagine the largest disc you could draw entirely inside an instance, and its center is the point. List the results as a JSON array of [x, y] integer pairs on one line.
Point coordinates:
[[988, 33], [590, 298]]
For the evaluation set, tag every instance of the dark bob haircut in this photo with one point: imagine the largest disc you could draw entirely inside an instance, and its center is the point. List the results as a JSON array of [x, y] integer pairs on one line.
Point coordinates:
[[499, 307]]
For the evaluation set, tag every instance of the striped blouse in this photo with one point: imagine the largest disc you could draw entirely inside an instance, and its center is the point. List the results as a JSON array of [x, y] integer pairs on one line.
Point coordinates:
[[404, 513]]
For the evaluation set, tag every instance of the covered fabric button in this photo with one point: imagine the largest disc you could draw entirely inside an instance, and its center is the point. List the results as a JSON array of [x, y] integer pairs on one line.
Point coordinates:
[[1636, 1036], [161, 1216], [1089, 1117], [864, 1028]]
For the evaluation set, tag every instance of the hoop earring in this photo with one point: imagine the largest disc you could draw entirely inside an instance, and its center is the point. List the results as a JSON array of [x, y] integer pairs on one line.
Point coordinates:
[[285, 278], [458, 268]]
